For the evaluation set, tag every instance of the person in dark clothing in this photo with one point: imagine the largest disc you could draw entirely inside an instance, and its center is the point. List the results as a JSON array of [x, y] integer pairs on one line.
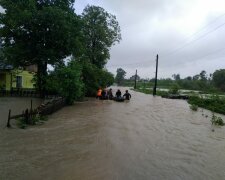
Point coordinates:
[[104, 95], [110, 94], [118, 94], [127, 95]]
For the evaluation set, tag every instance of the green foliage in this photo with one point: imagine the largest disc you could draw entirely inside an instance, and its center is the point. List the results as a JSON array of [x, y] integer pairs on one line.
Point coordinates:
[[219, 79], [101, 30], [174, 89], [36, 119], [120, 76], [193, 107], [66, 81], [45, 32], [213, 103], [21, 123], [93, 78], [217, 120]]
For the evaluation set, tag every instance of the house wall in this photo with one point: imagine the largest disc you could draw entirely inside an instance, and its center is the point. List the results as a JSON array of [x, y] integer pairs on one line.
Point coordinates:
[[2, 80], [8, 80], [27, 78]]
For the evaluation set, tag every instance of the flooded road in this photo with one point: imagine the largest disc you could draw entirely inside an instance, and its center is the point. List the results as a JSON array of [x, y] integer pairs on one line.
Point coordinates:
[[146, 138]]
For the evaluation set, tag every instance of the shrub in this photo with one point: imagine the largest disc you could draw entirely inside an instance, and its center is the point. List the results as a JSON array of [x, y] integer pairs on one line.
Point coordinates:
[[217, 120], [194, 107], [174, 89]]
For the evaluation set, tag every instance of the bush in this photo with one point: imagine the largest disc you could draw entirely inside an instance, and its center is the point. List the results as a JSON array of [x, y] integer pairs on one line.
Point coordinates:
[[21, 123], [213, 103], [217, 120], [174, 89], [194, 107], [37, 118]]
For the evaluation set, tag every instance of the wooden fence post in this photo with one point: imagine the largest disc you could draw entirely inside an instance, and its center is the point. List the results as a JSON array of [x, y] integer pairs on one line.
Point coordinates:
[[31, 105], [26, 116], [8, 122]]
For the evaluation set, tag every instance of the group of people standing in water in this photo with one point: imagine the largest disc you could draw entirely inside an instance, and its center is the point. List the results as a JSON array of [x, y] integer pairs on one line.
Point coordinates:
[[108, 94]]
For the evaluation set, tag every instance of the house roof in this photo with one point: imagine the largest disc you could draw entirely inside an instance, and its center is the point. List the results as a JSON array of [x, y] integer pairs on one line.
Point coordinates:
[[4, 66]]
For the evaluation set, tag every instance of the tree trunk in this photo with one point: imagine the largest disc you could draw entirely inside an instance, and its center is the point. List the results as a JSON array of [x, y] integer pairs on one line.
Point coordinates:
[[41, 78]]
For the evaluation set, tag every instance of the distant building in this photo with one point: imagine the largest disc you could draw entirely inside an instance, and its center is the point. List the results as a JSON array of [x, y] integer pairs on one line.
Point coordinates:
[[11, 78]]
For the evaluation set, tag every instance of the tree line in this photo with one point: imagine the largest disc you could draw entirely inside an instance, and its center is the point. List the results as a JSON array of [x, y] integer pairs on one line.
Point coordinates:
[[49, 32], [214, 82]]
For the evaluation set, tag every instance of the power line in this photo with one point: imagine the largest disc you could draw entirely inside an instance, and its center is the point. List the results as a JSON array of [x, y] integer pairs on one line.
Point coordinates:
[[188, 43], [214, 52], [204, 27]]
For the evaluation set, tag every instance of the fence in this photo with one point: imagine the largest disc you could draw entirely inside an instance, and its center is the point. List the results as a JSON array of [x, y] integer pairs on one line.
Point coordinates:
[[44, 109]]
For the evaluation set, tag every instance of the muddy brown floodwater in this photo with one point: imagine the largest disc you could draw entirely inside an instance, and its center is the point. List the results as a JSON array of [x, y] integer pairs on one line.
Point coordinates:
[[147, 138]]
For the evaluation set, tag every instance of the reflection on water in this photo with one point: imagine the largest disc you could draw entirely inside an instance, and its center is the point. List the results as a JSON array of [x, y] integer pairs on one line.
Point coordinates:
[[146, 138]]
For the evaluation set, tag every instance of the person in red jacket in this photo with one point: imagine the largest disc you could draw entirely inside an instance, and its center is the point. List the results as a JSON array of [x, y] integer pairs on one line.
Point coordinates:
[[99, 93]]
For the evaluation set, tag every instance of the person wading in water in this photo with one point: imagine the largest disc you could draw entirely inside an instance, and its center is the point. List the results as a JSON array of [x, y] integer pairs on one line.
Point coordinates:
[[127, 95]]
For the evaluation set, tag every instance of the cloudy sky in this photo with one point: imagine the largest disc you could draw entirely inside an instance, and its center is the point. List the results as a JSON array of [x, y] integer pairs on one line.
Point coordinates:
[[188, 35]]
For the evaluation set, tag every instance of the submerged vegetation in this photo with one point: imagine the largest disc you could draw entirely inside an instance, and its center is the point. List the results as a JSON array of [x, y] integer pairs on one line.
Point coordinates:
[[213, 103], [194, 107], [36, 119], [217, 120]]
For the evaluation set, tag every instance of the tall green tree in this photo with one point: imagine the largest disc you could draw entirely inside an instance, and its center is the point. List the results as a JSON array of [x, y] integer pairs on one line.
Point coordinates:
[[120, 76], [39, 32], [203, 75], [219, 79], [101, 30], [176, 77]]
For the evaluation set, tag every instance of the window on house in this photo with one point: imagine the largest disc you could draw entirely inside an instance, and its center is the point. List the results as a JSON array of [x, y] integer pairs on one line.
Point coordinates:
[[19, 81]]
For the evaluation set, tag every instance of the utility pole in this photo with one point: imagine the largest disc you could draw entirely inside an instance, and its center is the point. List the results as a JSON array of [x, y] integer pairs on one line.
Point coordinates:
[[135, 80], [156, 74]]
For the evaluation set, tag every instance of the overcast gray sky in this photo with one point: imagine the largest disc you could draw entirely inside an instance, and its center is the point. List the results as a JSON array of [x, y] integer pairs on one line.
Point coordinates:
[[188, 35]]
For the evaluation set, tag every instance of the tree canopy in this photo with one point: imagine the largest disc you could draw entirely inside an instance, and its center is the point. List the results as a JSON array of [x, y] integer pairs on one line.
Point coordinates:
[[38, 32], [120, 76], [219, 79], [101, 30]]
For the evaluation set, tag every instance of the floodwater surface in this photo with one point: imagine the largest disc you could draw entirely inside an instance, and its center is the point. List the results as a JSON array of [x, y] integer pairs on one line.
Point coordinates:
[[145, 138]]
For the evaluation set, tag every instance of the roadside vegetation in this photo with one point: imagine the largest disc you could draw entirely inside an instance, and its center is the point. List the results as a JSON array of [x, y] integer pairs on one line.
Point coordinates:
[[213, 103], [217, 120]]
